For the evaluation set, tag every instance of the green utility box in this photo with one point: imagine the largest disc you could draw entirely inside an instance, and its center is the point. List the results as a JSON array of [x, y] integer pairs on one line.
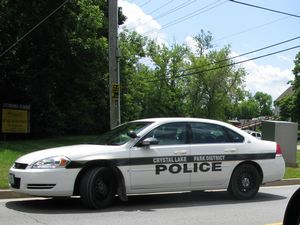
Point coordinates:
[[285, 134]]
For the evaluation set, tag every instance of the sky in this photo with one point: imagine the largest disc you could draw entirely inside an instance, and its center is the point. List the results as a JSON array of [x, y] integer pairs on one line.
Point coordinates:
[[242, 27]]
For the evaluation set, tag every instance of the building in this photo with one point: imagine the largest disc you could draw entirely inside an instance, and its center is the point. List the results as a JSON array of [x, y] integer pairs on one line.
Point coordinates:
[[287, 92]]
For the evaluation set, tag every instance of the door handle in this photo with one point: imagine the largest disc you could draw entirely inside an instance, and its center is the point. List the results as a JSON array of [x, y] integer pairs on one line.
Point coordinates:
[[181, 152], [230, 150]]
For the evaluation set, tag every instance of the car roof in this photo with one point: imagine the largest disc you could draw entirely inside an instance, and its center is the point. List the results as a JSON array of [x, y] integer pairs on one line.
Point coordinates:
[[178, 119], [162, 120]]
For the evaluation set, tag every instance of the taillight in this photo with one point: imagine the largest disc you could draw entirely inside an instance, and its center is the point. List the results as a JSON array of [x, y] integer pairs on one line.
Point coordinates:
[[278, 150]]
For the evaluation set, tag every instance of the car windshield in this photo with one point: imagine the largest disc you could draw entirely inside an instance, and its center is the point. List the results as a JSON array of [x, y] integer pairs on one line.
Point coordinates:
[[118, 135]]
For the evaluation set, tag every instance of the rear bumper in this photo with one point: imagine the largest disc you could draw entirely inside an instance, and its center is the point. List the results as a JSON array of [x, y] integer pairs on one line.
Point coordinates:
[[273, 170]]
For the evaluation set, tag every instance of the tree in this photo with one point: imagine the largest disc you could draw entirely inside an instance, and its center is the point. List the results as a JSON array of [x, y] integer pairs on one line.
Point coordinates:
[[149, 76], [286, 106], [132, 75], [213, 85], [203, 41], [296, 87], [248, 108], [290, 105], [265, 103], [166, 89], [60, 69]]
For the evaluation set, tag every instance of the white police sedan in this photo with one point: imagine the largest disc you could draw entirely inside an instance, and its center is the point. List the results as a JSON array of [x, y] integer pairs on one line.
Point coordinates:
[[152, 155]]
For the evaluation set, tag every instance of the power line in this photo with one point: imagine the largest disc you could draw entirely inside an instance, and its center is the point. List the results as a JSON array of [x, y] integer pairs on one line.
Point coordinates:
[[33, 28], [176, 8], [243, 61], [160, 7], [195, 13], [260, 7], [228, 65], [247, 53], [190, 15], [146, 3], [181, 6], [251, 29]]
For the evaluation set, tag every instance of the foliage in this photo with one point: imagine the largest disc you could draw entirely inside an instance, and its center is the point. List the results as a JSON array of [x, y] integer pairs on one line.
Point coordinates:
[[290, 105], [158, 80], [249, 108], [296, 87], [131, 74], [286, 106], [265, 103], [166, 88], [214, 86], [203, 41], [148, 74], [60, 69]]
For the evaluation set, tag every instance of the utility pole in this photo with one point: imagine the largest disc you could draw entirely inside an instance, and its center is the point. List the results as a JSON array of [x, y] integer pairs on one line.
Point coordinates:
[[114, 79]]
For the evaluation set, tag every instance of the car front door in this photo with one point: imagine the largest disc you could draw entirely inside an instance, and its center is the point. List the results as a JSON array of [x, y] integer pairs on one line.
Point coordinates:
[[161, 165]]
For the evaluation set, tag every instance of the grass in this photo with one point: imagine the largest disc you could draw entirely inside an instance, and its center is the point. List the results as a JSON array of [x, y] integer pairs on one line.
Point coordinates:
[[292, 172], [11, 150]]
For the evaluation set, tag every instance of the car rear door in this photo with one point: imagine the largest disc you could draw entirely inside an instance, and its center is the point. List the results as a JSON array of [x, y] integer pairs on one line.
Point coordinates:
[[213, 151]]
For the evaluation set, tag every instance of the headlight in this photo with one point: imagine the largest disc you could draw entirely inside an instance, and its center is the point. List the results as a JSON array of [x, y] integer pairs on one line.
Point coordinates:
[[51, 163]]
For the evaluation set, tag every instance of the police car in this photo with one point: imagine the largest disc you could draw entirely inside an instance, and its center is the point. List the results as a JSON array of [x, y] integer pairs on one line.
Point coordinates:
[[152, 155]]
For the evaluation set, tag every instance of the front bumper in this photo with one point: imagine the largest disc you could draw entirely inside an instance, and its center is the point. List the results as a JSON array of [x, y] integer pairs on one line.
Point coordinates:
[[43, 182]]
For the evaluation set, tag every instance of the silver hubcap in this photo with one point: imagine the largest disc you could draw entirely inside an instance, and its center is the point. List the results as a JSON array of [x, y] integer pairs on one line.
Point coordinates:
[[246, 182]]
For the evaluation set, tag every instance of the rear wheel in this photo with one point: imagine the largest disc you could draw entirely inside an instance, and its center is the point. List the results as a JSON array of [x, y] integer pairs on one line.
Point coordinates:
[[245, 182], [97, 188]]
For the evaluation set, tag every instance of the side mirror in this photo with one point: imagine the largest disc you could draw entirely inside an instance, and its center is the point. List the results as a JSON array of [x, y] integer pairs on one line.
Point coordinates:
[[131, 134], [149, 141]]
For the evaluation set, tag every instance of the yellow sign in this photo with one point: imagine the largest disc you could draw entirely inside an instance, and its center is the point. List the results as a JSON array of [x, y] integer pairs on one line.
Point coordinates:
[[15, 121], [115, 91]]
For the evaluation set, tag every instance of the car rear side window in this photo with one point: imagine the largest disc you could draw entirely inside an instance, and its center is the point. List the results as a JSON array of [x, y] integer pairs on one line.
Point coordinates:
[[206, 133], [234, 137]]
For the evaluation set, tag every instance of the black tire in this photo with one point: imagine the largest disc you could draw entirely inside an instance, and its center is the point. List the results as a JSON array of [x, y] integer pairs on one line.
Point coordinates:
[[97, 188], [292, 212], [245, 182]]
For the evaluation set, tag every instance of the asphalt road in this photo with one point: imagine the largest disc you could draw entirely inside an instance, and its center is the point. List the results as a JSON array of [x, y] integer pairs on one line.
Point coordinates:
[[195, 208]]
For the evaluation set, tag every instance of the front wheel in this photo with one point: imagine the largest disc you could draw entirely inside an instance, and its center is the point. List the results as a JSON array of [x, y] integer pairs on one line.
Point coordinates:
[[97, 188], [245, 182]]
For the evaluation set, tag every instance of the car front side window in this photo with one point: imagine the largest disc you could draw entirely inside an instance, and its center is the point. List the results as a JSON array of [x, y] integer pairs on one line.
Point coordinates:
[[169, 134], [119, 135]]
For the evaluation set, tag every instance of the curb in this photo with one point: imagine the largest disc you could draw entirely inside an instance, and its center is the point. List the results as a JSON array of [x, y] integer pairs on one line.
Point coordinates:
[[8, 194], [283, 182]]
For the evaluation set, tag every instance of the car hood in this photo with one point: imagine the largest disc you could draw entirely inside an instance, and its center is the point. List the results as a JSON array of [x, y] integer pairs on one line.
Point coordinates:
[[73, 152]]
